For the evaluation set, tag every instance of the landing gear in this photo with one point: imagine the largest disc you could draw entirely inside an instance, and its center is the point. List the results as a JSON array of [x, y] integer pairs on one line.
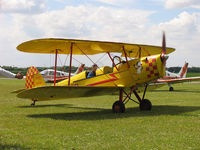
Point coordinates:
[[171, 88], [119, 106], [145, 105], [33, 104]]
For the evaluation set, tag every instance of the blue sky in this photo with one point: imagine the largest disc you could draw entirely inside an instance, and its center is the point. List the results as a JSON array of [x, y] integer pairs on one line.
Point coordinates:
[[132, 21]]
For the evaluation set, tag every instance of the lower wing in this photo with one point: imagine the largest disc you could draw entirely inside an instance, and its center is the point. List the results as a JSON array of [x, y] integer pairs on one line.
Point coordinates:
[[59, 92]]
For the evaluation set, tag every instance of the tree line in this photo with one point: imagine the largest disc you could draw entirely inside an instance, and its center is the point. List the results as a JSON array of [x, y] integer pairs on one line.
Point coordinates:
[[190, 69], [24, 69], [66, 69]]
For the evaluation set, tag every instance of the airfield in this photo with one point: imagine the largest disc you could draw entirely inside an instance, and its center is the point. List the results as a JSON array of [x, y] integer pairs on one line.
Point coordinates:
[[88, 123]]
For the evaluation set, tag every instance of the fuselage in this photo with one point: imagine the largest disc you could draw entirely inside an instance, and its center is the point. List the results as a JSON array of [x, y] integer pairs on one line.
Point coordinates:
[[135, 72], [170, 75]]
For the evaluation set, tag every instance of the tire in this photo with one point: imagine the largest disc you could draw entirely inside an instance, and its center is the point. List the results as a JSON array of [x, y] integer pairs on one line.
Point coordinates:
[[171, 89], [145, 104], [118, 107]]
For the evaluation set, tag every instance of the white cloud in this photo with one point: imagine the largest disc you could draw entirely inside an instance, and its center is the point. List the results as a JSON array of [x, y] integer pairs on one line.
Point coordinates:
[[103, 23], [183, 33], [98, 23], [22, 6], [185, 24], [86, 22], [175, 4], [117, 2]]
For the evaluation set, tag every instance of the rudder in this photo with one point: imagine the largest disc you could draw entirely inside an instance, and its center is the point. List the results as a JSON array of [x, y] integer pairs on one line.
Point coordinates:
[[33, 78], [183, 70]]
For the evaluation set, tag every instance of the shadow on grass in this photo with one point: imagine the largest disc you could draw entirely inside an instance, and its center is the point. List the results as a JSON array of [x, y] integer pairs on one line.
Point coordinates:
[[102, 114], [178, 91], [38, 106], [14, 147]]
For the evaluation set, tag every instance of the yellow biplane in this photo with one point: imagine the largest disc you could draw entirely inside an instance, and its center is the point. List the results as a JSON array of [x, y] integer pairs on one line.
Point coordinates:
[[142, 64]]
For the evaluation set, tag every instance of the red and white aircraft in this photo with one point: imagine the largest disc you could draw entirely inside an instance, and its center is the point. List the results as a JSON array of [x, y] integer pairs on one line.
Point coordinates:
[[173, 78], [48, 74]]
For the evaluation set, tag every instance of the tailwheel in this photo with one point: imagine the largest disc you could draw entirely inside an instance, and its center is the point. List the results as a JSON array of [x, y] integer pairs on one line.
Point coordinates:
[[118, 107], [145, 104], [171, 89], [33, 104]]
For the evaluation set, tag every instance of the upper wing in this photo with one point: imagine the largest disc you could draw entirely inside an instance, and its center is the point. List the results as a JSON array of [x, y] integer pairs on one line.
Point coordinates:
[[81, 47], [178, 80], [58, 92]]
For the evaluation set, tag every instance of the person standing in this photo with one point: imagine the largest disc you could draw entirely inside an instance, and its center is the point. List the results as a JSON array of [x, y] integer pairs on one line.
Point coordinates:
[[9, 74]]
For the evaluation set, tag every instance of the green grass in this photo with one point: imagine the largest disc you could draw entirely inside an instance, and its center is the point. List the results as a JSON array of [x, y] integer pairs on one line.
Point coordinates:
[[192, 74], [88, 123]]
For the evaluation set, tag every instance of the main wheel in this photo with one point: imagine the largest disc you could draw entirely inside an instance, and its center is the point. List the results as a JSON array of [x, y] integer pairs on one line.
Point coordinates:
[[171, 89], [118, 107], [145, 104]]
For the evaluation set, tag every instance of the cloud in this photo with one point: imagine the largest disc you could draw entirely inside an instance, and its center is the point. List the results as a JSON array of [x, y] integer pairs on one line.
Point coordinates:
[[185, 24], [117, 2], [91, 22], [177, 4], [83, 22], [104, 23], [183, 33], [22, 6]]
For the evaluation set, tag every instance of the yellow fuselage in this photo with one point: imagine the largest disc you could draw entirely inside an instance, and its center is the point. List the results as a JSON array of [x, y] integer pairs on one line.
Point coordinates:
[[138, 71]]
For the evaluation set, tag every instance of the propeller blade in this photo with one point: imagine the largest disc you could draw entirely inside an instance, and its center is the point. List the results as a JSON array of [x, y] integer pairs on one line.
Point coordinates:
[[163, 44], [164, 57]]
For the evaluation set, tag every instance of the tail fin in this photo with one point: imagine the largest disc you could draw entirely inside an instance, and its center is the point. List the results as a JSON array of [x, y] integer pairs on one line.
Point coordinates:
[[80, 69], [33, 78], [183, 70]]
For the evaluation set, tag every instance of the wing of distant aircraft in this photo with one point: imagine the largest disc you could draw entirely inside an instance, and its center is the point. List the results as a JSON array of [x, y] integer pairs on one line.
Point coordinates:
[[174, 81], [173, 78], [177, 80]]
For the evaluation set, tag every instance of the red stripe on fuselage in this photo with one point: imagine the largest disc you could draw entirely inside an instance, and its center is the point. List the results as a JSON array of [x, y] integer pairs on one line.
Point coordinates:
[[101, 82], [105, 81]]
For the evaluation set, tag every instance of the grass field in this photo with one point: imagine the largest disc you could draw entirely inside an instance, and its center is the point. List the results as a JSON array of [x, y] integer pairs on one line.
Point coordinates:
[[192, 74], [88, 123]]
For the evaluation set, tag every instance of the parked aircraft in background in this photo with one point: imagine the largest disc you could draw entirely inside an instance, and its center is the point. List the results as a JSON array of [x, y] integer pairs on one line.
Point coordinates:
[[173, 78], [48, 74]]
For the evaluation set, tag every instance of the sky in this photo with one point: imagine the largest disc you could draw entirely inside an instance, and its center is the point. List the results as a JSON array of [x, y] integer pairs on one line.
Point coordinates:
[[130, 21]]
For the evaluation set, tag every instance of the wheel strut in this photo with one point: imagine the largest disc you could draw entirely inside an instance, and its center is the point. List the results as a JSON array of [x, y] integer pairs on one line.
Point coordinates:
[[119, 106], [145, 104]]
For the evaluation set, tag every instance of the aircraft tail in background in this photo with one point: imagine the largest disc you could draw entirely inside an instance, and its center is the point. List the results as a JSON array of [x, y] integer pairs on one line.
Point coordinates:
[[182, 73], [80, 69], [34, 78]]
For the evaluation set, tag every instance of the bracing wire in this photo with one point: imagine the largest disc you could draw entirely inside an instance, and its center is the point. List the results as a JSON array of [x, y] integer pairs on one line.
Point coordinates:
[[93, 62], [60, 60], [100, 58], [76, 60]]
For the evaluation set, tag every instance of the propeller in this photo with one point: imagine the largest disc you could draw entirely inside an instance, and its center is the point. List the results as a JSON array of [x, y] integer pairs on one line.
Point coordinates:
[[163, 55]]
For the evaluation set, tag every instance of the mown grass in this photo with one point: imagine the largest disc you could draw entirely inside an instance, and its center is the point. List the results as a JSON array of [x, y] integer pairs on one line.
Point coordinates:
[[193, 74], [88, 123]]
